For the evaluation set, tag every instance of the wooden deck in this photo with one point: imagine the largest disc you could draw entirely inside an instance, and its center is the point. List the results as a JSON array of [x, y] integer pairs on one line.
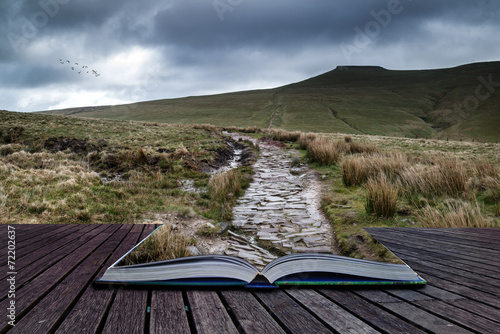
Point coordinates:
[[56, 264]]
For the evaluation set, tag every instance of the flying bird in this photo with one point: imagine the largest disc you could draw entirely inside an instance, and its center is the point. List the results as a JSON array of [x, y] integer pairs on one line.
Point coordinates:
[[72, 68]]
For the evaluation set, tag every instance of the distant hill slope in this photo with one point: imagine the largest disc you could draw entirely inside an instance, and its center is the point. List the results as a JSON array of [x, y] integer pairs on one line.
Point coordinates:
[[455, 103]]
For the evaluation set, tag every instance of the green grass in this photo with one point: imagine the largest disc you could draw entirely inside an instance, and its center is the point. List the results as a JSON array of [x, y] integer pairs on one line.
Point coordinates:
[[357, 100]]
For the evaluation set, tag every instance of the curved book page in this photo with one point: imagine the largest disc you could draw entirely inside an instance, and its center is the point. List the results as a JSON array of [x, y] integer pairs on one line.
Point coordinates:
[[193, 267], [339, 265]]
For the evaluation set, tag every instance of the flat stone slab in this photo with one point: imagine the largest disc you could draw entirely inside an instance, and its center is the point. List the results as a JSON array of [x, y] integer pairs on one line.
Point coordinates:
[[275, 207]]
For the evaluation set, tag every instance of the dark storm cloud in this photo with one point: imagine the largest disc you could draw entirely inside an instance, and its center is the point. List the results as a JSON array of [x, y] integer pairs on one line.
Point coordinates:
[[204, 46]]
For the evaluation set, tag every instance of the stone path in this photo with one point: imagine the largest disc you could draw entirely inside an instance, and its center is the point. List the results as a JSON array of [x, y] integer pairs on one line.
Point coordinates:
[[281, 207]]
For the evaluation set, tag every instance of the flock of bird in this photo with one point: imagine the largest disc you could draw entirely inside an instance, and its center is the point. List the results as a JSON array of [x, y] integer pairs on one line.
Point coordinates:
[[84, 68]]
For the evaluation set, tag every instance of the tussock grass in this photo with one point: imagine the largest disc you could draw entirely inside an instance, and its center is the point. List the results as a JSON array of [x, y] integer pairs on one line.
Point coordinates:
[[324, 151], [354, 171], [252, 129], [381, 197], [163, 244], [357, 169], [485, 168], [284, 135], [447, 176], [454, 213], [305, 139], [221, 185]]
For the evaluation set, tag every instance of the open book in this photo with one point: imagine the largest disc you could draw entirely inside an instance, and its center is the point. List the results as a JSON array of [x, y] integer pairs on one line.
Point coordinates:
[[293, 269]]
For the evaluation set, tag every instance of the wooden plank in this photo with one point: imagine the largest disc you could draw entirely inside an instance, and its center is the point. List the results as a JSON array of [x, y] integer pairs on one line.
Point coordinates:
[[455, 268], [29, 231], [252, 317], [89, 312], [440, 245], [463, 290], [129, 306], [129, 317], [472, 321], [168, 313], [47, 311], [480, 285], [293, 317], [31, 265], [25, 247], [487, 238], [42, 236], [329, 312], [373, 314], [441, 254], [411, 313], [209, 314], [471, 306], [429, 257]]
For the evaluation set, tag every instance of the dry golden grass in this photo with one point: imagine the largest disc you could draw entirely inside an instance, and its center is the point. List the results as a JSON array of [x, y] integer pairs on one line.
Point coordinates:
[[163, 244], [354, 171], [284, 135], [306, 139], [446, 176], [381, 197], [324, 151], [454, 213], [485, 168], [223, 184], [357, 169]]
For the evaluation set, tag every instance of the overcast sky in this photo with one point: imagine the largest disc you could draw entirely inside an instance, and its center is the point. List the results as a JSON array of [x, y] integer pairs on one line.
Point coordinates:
[[152, 49]]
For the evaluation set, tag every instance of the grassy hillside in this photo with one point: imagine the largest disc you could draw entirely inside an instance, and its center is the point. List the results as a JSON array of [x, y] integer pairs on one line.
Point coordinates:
[[57, 169], [444, 104]]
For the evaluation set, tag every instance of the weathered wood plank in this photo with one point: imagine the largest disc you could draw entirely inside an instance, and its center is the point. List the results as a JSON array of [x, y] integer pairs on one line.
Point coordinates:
[[290, 314], [412, 313], [29, 232], [440, 246], [209, 314], [88, 313], [329, 312], [48, 312], [480, 285], [429, 257], [373, 314], [252, 317], [40, 237], [128, 313], [483, 238], [28, 294], [462, 290], [30, 266], [465, 318], [168, 313], [124, 298], [441, 254], [452, 267], [454, 300]]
